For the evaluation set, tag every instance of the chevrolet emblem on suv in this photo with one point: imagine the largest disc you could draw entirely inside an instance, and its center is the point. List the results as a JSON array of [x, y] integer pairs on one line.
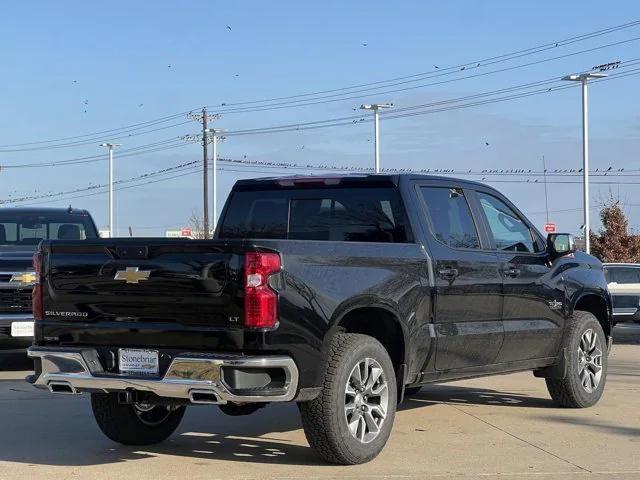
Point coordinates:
[[132, 275], [26, 277]]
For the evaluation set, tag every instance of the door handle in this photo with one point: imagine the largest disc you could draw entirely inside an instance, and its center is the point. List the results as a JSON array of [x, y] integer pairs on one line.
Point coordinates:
[[511, 272], [448, 273]]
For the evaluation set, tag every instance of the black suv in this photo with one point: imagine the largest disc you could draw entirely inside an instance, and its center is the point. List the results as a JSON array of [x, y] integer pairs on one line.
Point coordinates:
[[342, 294], [21, 230]]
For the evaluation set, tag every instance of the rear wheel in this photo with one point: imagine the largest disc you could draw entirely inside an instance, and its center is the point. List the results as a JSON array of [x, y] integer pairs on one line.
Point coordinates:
[[134, 424], [586, 347], [350, 421]]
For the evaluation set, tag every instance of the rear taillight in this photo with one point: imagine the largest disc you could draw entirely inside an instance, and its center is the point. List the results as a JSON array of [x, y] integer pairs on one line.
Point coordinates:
[[36, 296], [260, 301]]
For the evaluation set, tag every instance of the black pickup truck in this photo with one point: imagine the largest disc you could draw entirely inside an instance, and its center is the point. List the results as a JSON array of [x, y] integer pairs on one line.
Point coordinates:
[[21, 230], [342, 294]]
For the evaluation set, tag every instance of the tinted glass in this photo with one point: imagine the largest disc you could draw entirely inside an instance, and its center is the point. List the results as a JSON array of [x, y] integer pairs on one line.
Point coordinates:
[[509, 231], [450, 217], [624, 275], [332, 214], [30, 229]]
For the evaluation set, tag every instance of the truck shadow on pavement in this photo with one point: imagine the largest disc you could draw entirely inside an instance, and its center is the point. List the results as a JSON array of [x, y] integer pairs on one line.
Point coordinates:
[[64, 432], [435, 394]]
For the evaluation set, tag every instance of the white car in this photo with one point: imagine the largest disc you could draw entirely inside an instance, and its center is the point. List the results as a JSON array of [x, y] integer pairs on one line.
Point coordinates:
[[623, 280]]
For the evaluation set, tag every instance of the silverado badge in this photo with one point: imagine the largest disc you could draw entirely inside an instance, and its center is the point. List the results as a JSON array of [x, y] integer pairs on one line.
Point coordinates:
[[132, 275]]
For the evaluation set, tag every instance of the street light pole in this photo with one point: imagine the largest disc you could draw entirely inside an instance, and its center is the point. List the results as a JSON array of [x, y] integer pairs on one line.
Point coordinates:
[[376, 130], [585, 166], [583, 78], [215, 133], [110, 146]]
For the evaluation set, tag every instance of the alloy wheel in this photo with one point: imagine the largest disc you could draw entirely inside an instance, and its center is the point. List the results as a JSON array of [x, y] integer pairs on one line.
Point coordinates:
[[590, 360], [366, 400]]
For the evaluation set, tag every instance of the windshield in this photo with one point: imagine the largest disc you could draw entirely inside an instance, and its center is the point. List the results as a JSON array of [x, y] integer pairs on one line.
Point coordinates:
[[30, 229]]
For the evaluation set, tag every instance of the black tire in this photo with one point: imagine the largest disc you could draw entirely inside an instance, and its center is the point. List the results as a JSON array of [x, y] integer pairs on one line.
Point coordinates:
[[122, 424], [325, 418], [411, 391], [569, 392]]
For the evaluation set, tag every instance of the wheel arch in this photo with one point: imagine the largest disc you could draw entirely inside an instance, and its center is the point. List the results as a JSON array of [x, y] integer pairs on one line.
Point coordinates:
[[379, 321], [599, 306]]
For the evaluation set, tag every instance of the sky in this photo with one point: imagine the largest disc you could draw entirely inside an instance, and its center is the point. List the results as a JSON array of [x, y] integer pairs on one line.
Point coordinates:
[[75, 68]]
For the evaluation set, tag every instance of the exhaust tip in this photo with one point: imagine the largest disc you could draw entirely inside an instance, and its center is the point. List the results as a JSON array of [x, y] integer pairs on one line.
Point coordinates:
[[62, 387], [206, 397]]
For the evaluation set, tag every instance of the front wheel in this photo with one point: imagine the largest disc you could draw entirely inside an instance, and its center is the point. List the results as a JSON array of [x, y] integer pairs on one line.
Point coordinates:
[[134, 424], [586, 347], [351, 420]]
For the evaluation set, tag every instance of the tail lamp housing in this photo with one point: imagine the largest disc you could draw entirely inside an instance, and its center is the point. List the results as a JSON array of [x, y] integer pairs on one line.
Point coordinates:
[[260, 300], [36, 296]]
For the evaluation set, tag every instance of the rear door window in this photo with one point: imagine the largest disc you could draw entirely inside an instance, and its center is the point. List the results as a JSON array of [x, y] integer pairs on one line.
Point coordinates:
[[450, 217], [355, 214]]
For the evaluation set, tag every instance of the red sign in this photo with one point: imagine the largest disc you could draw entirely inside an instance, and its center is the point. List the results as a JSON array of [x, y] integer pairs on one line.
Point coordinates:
[[185, 232], [550, 227]]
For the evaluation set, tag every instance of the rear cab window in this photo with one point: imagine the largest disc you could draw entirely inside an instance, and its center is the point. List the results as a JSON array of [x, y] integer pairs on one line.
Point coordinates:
[[18, 228], [347, 214]]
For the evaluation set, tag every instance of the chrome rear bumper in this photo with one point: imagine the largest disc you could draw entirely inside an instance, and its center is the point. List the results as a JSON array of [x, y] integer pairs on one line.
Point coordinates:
[[191, 376]]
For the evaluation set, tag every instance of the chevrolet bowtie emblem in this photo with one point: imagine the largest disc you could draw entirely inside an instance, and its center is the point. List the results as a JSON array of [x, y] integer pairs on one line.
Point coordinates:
[[26, 277], [132, 275]]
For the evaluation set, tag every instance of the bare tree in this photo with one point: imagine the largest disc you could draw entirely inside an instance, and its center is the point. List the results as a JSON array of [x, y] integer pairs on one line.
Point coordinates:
[[195, 224], [614, 242]]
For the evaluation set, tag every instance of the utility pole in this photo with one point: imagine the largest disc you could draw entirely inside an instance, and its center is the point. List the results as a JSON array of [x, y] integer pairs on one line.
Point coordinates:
[[203, 118], [376, 130], [583, 78], [215, 138], [546, 198], [110, 146], [205, 175]]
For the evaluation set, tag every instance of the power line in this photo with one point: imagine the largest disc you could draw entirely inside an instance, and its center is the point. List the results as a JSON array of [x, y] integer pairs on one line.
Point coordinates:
[[344, 121], [144, 176], [333, 122], [131, 127], [93, 140], [306, 125], [435, 171], [195, 170], [436, 72], [283, 168], [456, 68], [366, 92], [142, 149]]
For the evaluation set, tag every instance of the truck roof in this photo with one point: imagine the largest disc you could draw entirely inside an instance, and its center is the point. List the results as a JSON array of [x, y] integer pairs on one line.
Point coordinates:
[[346, 179], [44, 210]]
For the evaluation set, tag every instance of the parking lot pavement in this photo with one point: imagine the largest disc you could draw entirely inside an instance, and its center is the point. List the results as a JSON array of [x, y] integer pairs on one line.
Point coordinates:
[[500, 427]]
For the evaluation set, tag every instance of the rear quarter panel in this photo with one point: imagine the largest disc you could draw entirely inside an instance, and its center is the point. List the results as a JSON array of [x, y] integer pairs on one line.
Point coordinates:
[[323, 281]]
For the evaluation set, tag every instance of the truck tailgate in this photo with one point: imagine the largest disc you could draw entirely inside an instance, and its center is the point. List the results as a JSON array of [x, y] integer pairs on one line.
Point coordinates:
[[161, 292]]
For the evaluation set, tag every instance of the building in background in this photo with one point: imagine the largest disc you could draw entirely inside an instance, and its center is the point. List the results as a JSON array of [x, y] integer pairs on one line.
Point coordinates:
[[182, 233]]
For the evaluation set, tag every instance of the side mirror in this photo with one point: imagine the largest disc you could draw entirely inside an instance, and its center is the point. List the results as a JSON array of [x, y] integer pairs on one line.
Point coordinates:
[[559, 244]]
